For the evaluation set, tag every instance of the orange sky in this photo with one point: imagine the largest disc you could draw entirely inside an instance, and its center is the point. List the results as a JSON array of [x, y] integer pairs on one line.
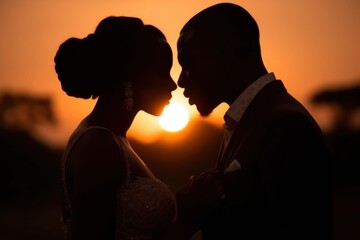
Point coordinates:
[[309, 44]]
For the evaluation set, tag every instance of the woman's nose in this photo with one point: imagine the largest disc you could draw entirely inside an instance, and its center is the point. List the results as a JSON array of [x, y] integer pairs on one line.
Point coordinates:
[[172, 84]]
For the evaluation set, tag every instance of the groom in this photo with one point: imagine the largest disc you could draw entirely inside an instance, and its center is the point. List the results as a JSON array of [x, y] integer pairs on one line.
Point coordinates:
[[277, 171]]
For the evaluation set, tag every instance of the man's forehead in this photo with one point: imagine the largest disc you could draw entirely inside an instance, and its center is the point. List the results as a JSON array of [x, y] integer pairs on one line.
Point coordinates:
[[184, 44], [196, 39], [185, 38], [189, 41]]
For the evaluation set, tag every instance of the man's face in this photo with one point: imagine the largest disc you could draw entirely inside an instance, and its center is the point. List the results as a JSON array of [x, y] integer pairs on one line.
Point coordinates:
[[200, 76]]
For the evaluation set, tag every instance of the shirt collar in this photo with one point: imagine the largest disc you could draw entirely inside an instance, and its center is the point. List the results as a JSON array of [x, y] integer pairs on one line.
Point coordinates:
[[238, 107]]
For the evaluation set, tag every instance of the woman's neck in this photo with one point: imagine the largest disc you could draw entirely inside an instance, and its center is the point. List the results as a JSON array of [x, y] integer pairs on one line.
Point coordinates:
[[110, 115]]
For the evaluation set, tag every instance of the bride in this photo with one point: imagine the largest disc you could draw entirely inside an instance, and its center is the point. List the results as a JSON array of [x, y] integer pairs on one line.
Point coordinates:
[[108, 191]]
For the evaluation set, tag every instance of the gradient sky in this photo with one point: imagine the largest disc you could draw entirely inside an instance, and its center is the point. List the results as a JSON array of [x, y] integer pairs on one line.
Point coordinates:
[[309, 44]]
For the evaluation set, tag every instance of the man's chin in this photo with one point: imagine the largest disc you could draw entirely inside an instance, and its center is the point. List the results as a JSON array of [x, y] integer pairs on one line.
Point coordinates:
[[204, 112]]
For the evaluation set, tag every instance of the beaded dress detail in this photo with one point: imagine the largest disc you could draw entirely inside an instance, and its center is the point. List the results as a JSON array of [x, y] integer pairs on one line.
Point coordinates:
[[145, 205]]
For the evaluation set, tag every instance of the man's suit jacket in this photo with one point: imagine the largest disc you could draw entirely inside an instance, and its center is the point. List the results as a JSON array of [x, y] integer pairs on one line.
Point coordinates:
[[283, 189]]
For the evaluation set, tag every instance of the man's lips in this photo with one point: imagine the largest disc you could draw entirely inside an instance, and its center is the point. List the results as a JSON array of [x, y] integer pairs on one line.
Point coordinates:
[[190, 99], [186, 94]]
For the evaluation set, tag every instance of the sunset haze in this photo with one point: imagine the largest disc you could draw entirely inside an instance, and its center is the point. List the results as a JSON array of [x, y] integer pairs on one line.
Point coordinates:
[[310, 45]]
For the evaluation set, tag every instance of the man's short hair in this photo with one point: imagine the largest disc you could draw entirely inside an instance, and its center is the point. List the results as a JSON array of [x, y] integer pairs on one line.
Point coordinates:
[[224, 20]]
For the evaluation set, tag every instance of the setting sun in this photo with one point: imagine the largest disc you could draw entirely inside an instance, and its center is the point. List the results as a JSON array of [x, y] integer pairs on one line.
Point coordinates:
[[174, 118]]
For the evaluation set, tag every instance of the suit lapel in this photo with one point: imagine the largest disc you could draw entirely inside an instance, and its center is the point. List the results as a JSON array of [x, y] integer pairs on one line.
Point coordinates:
[[234, 143], [252, 114]]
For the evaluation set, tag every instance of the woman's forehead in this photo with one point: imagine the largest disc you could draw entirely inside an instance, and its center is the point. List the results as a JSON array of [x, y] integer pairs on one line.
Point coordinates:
[[161, 53]]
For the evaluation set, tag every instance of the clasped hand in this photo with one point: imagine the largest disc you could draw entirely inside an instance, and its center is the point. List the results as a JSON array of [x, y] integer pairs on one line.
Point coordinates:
[[200, 197]]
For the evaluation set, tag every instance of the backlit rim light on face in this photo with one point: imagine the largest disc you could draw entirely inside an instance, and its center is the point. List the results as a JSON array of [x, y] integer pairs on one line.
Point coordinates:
[[174, 117]]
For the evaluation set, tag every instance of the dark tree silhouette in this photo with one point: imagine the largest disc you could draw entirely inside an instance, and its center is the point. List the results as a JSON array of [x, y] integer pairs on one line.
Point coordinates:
[[344, 139], [29, 169], [344, 142], [25, 112], [345, 103], [27, 165]]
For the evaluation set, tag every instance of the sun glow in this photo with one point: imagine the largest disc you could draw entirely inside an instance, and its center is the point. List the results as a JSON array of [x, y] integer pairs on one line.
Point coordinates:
[[174, 117]]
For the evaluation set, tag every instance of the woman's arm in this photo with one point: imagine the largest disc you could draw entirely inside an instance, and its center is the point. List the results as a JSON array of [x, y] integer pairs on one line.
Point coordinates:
[[96, 172]]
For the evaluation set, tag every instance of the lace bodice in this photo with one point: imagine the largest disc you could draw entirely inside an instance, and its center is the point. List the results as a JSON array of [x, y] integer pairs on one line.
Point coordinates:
[[145, 205]]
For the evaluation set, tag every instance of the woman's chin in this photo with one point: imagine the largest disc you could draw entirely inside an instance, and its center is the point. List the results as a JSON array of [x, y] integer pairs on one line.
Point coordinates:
[[156, 112]]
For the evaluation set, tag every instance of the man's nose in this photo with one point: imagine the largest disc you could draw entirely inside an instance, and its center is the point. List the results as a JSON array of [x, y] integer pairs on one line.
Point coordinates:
[[183, 78]]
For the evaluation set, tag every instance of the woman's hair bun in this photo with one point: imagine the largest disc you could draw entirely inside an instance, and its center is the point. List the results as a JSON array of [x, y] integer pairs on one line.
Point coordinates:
[[73, 65], [117, 49]]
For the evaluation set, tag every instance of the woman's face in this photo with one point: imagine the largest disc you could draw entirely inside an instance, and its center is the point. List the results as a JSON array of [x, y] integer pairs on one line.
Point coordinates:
[[153, 86]]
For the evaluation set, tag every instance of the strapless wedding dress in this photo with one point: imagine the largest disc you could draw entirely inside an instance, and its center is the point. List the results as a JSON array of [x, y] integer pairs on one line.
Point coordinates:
[[145, 205]]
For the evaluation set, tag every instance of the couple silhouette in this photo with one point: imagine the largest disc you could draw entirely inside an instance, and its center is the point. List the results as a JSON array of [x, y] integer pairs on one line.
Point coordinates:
[[273, 175]]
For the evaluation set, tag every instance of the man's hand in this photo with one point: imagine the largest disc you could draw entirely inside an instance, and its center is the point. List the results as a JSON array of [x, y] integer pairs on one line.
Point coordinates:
[[199, 198]]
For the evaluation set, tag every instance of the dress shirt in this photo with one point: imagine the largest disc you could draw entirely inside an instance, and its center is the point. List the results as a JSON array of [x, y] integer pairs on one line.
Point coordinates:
[[239, 106]]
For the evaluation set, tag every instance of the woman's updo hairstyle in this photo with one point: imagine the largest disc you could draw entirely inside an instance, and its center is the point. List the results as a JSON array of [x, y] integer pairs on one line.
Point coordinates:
[[93, 65]]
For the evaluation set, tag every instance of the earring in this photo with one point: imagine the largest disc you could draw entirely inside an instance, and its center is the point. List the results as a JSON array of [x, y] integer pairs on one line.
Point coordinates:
[[129, 100]]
